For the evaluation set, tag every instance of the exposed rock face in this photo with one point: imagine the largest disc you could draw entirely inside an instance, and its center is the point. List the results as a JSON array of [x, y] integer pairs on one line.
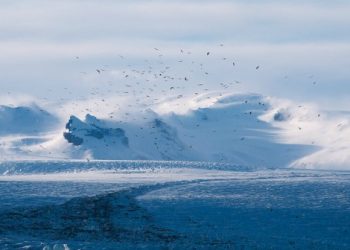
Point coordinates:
[[75, 140], [77, 130], [242, 129], [281, 116], [98, 139]]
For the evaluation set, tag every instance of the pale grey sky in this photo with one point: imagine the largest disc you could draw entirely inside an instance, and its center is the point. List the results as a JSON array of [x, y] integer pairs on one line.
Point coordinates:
[[302, 47]]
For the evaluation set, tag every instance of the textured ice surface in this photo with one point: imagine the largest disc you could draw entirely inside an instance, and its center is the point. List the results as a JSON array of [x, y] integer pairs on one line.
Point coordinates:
[[159, 205]]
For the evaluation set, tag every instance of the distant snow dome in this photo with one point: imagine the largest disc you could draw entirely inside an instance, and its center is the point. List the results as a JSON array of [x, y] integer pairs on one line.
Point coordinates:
[[25, 120], [245, 129]]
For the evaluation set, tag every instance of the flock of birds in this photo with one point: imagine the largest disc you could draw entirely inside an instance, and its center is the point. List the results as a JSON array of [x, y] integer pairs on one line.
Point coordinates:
[[148, 81]]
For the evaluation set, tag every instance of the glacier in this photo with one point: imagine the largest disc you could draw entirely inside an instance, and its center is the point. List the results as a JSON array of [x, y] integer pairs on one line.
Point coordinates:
[[176, 205], [229, 171], [218, 128]]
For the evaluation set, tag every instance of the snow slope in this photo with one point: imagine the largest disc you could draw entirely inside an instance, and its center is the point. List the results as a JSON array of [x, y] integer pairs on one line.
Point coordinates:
[[243, 129], [228, 130], [25, 120]]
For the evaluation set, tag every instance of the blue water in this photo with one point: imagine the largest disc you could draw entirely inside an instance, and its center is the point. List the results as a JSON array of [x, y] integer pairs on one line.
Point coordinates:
[[284, 209]]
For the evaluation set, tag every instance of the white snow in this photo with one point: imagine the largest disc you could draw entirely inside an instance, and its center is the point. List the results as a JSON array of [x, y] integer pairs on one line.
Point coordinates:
[[242, 128]]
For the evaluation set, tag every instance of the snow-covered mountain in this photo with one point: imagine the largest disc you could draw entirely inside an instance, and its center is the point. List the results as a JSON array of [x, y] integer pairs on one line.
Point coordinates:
[[25, 120], [98, 139], [224, 129], [229, 129], [244, 129]]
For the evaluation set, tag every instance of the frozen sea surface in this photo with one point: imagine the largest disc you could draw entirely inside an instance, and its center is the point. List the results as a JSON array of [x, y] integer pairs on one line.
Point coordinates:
[[160, 205]]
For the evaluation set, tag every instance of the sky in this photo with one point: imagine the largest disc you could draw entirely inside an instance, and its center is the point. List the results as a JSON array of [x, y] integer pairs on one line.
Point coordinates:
[[51, 50]]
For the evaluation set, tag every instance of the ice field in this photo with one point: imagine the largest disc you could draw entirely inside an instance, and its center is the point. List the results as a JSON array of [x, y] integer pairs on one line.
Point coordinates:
[[170, 205]]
